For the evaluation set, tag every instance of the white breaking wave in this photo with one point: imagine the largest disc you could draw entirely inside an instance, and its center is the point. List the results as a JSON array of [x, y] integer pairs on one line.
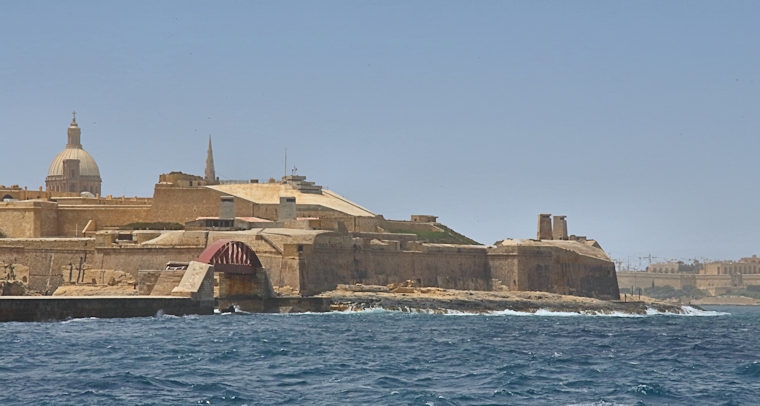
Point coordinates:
[[79, 320], [550, 313], [236, 308], [686, 311]]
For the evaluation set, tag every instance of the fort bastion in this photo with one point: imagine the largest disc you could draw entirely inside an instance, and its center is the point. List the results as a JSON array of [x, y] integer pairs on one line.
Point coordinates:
[[307, 238]]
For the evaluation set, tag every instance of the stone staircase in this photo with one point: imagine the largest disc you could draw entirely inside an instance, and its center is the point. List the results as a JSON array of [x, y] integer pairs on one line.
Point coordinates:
[[167, 280]]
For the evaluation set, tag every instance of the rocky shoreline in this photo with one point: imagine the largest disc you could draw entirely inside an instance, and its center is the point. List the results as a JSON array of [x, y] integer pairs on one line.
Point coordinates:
[[435, 300]]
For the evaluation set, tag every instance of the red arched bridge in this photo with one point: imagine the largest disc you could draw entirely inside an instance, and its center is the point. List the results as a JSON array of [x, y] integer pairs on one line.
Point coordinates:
[[233, 257]]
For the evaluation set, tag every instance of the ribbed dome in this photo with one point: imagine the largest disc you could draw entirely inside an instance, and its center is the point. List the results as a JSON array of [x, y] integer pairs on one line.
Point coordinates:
[[87, 165]]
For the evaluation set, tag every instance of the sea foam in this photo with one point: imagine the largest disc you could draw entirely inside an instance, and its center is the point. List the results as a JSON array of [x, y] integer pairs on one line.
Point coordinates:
[[686, 311]]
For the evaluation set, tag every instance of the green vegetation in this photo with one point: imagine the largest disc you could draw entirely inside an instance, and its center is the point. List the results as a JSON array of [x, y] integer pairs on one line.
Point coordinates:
[[447, 236], [153, 226], [2, 234], [752, 291]]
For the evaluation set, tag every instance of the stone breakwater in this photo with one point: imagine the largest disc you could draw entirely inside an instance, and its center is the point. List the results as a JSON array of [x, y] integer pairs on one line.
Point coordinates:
[[443, 300]]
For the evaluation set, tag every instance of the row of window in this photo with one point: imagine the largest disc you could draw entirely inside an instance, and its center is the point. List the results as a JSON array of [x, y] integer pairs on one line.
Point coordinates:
[[743, 269], [72, 188]]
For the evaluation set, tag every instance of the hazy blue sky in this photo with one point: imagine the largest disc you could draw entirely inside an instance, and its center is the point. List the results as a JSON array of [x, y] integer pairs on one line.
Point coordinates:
[[638, 120]]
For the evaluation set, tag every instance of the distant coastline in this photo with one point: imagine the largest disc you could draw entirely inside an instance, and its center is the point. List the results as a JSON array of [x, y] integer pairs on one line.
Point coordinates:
[[726, 300]]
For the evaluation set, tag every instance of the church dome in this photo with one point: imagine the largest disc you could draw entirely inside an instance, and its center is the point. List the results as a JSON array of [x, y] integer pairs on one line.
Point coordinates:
[[73, 170], [87, 164]]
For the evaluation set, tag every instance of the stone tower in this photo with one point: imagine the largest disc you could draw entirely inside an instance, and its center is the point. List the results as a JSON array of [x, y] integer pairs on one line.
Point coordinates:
[[73, 170], [210, 175], [544, 227], [560, 228]]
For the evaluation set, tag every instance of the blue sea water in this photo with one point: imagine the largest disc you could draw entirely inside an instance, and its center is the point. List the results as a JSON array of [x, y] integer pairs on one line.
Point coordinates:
[[386, 358]]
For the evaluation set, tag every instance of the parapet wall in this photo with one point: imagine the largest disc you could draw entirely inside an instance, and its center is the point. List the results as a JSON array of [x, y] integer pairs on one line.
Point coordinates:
[[336, 260], [182, 204], [131, 259], [397, 226], [47, 258], [51, 259], [28, 219], [72, 219], [41, 219]]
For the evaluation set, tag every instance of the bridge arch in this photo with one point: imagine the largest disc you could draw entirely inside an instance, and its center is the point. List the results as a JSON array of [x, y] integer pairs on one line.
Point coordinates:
[[230, 256]]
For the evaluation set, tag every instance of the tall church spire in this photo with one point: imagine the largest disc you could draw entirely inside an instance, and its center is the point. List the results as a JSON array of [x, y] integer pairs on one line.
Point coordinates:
[[210, 175]]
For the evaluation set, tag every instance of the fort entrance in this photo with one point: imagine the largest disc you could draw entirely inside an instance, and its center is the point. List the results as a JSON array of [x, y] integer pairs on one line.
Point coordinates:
[[229, 256], [240, 275]]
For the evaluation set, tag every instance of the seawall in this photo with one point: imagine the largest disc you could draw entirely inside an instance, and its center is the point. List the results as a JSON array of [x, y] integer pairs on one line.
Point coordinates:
[[49, 308]]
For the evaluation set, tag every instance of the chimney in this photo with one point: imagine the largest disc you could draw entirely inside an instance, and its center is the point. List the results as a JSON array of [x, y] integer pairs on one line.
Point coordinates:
[[544, 227], [560, 228], [287, 210], [227, 208]]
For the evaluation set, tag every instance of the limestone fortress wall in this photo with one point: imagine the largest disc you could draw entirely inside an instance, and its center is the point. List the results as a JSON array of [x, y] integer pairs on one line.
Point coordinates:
[[308, 239], [311, 261]]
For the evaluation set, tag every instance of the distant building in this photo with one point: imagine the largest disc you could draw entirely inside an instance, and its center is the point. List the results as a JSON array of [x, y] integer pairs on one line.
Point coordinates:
[[674, 267], [73, 170], [716, 278], [744, 266]]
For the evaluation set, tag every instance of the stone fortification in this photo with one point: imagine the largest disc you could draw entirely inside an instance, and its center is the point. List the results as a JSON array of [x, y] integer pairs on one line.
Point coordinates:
[[344, 259], [71, 220], [177, 198], [172, 203], [558, 266], [397, 226], [46, 258], [311, 201], [181, 179], [309, 261], [185, 199], [67, 217], [307, 238], [197, 283], [15, 192], [28, 219]]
